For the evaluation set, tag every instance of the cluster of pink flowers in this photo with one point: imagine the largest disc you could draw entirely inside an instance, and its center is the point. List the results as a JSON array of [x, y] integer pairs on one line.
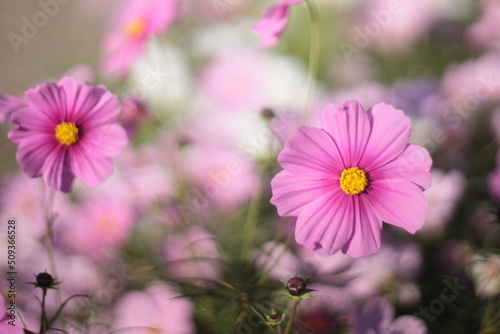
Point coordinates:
[[210, 167]]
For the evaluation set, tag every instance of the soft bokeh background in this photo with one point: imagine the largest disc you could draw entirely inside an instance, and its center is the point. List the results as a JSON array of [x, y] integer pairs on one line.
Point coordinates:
[[153, 231]]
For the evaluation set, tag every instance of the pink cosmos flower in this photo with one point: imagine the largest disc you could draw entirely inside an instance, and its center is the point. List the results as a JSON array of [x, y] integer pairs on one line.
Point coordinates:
[[5, 327], [344, 179], [273, 23], [68, 130], [138, 22]]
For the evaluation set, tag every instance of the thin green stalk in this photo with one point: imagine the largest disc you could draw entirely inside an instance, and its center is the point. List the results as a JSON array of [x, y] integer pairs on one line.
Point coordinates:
[[313, 58], [289, 326], [250, 222], [254, 210], [49, 218], [43, 320]]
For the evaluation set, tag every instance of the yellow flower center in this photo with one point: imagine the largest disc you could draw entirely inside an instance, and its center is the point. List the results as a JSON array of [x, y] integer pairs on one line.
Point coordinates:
[[66, 133], [135, 28], [353, 181]]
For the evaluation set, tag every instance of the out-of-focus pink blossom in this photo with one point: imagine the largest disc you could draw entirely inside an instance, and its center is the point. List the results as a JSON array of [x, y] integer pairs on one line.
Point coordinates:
[[192, 255], [446, 189], [472, 85], [377, 316], [485, 32], [158, 309], [102, 224], [222, 176], [245, 79], [145, 174], [133, 112], [392, 25], [139, 21], [26, 200], [237, 80], [273, 22]]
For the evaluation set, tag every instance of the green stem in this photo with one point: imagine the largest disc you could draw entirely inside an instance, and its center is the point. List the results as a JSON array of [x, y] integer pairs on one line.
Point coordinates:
[[313, 58], [254, 209], [43, 321], [250, 223], [49, 218], [289, 326]]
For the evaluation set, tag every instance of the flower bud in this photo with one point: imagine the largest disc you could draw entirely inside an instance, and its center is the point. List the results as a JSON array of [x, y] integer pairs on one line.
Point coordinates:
[[44, 280], [296, 286]]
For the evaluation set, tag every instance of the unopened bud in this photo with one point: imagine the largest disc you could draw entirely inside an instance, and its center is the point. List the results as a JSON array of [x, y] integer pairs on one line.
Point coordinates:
[[296, 286]]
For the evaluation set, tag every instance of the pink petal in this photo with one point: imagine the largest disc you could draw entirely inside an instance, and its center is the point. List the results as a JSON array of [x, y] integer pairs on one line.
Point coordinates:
[[292, 193], [388, 138], [311, 153], [350, 127], [272, 25], [326, 223], [161, 15], [106, 110], [30, 121], [33, 151], [91, 170], [5, 328], [120, 52], [57, 171], [367, 227], [274, 19], [80, 98], [412, 165], [105, 141], [50, 99], [398, 203], [9, 104]]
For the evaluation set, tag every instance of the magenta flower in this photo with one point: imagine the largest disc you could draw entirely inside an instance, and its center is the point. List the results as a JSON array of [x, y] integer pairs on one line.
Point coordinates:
[[68, 130], [344, 179], [138, 22], [273, 23]]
